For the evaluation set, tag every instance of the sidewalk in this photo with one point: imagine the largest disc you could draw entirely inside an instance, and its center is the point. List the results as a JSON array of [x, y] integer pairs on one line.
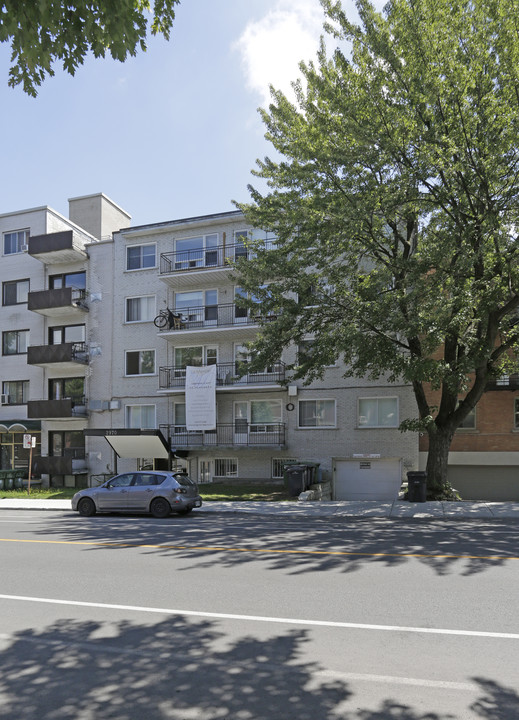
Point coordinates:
[[326, 509]]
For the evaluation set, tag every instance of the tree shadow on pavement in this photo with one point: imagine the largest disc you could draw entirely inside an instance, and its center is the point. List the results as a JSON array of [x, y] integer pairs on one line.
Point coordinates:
[[463, 548], [178, 669]]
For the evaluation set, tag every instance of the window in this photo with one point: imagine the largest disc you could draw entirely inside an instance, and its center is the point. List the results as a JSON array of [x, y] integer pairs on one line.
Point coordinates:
[[140, 309], [17, 391], [12, 452], [14, 342], [198, 306], [66, 334], [70, 388], [317, 413], [378, 412], [14, 241], [226, 467], [278, 465], [195, 356], [516, 413], [179, 417], [140, 362], [140, 417], [196, 252], [469, 423], [15, 292], [258, 416], [74, 280], [140, 257], [67, 443]]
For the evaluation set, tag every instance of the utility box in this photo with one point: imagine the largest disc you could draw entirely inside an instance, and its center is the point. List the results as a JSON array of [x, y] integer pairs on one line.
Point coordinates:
[[299, 476], [417, 486]]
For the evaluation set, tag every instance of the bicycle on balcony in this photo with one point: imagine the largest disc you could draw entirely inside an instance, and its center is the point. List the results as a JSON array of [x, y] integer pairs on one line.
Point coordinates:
[[170, 320]]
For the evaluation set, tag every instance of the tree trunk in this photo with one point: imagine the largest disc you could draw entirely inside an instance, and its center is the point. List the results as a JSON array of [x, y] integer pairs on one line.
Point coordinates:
[[438, 487]]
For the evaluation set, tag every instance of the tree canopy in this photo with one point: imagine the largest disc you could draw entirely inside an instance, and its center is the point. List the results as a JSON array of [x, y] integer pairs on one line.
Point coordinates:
[[394, 197], [44, 32]]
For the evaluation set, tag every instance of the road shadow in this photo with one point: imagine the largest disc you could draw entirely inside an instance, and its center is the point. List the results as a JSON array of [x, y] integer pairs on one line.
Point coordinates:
[[178, 669], [295, 546]]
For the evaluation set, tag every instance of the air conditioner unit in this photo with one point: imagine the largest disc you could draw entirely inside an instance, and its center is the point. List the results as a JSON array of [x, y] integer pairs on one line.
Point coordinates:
[[4, 399], [25, 248]]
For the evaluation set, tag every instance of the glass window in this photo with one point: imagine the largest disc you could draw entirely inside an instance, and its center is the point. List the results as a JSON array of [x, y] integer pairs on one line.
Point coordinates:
[[70, 388], [278, 465], [196, 252], [317, 413], [469, 423], [140, 416], [378, 412], [15, 292], [226, 467], [14, 342], [140, 362], [265, 411], [140, 309], [14, 241], [179, 416], [185, 356], [66, 334], [74, 280], [17, 391], [122, 480], [140, 257]]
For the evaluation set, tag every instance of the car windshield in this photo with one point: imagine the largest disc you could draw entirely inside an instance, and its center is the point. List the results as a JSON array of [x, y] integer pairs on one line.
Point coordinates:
[[184, 480]]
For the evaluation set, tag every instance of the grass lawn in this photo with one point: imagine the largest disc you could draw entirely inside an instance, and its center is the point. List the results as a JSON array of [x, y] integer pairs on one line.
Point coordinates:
[[208, 491]]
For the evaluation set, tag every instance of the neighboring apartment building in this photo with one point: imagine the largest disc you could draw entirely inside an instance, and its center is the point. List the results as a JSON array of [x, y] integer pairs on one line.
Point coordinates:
[[85, 368], [484, 454], [44, 318]]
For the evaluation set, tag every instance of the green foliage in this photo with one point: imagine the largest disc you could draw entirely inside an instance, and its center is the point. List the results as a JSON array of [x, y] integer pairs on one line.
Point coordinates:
[[395, 196], [42, 32]]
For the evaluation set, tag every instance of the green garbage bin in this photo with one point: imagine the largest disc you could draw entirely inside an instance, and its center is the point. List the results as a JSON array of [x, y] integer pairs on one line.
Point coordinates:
[[18, 483], [9, 483], [1, 483]]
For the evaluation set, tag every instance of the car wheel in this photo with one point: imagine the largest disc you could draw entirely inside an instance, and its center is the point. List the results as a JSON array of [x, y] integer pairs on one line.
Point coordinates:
[[86, 507], [160, 508]]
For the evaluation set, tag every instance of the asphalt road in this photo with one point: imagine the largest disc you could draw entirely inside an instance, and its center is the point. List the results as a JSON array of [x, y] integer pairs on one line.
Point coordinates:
[[249, 618]]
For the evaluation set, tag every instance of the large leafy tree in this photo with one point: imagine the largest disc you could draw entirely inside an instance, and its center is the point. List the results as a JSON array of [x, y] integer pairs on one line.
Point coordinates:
[[394, 197], [42, 32]]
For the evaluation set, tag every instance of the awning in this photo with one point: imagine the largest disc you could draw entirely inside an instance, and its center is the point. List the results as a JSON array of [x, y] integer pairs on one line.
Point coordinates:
[[134, 443], [19, 426]]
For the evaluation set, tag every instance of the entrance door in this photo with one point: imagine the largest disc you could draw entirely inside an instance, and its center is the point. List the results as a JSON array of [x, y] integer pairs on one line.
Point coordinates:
[[205, 471]]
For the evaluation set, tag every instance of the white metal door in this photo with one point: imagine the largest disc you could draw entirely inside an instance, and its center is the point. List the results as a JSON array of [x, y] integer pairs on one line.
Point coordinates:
[[367, 479]]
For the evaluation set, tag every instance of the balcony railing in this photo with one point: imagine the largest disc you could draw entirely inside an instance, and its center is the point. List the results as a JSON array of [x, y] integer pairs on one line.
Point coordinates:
[[210, 316], [206, 258], [65, 408], [71, 463], [233, 373], [73, 352], [239, 434], [50, 301], [506, 382]]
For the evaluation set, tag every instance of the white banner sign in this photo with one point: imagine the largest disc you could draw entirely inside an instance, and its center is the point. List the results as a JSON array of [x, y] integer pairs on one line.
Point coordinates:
[[201, 398]]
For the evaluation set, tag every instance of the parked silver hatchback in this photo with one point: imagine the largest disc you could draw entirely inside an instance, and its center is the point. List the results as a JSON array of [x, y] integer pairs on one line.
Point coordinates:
[[152, 491]]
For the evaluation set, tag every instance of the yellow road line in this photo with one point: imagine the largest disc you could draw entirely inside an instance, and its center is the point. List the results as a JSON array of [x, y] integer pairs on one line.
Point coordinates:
[[261, 550]]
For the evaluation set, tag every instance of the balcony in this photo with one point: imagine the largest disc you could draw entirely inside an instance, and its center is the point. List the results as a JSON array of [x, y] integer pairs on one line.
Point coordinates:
[[506, 382], [57, 248], [238, 434], [190, 268], [72, 464], [229, 319], [229, 376], [66, 355], [57, 302], [52, 409]]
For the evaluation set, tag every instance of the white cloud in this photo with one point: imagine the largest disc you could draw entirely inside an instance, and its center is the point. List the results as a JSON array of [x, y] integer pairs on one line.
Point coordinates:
[[271, 48]]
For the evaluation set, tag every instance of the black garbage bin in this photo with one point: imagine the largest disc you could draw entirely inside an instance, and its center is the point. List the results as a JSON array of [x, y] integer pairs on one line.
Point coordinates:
[[417, 486]]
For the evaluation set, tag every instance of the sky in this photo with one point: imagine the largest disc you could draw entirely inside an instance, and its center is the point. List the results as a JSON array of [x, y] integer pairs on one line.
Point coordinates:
[[170, 134]]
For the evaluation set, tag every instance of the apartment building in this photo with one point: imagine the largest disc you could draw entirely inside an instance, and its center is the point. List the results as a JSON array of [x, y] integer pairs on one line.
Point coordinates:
[[178, 276], [44, 317], [100, 321]]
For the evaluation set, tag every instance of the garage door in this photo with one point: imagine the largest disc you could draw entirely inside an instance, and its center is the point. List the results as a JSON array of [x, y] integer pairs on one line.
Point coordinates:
[[367, 479]]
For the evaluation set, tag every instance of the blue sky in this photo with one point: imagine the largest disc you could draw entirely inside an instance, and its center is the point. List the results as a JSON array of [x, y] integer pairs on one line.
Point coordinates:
[[172, 133]]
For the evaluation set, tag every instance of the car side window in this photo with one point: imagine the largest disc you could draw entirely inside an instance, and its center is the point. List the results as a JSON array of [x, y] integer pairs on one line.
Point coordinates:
[[121, 481], [145, 479]]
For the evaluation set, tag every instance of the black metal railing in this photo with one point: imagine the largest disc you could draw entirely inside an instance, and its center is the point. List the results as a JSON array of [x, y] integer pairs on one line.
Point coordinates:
[[207, 258], [506, 382], [233, 373], [240, 433], [210, 316]]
